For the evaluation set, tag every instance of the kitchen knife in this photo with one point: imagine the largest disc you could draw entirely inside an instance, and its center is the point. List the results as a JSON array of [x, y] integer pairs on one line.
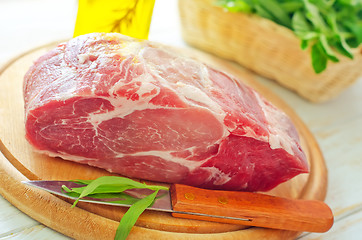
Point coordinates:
[[245, 208]]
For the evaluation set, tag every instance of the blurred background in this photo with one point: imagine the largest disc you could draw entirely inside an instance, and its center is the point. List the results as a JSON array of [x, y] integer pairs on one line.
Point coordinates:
[[26, 24]]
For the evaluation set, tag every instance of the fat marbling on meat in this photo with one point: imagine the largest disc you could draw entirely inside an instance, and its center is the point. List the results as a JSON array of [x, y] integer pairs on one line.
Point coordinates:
[[143, 110]]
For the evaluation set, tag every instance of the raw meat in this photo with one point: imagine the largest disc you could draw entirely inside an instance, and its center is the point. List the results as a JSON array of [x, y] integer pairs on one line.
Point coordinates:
[[142, 110]]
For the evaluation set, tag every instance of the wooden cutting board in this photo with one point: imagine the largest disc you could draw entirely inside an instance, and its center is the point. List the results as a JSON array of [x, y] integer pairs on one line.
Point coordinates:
[[18, 162]]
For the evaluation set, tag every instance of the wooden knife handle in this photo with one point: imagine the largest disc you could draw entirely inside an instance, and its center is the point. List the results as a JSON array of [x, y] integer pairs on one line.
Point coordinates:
[[257, 209]]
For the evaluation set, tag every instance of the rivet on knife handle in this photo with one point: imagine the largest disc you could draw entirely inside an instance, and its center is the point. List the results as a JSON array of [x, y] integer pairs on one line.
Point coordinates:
[[252, 209]]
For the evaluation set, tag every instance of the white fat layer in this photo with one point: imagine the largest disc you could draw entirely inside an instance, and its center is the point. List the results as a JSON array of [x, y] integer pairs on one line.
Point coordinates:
[[129, 47], [195, 94], [167, 156], [66, 156], [278, 137], [219, 176], [124, 106], [82, 58], [251, 133], [120, 112]]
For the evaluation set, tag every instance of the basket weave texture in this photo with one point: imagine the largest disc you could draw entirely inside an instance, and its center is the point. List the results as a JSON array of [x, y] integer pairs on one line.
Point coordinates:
[[268, 49]]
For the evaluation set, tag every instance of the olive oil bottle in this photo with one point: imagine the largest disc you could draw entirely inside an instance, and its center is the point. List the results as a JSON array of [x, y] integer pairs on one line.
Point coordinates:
[[129, 17]]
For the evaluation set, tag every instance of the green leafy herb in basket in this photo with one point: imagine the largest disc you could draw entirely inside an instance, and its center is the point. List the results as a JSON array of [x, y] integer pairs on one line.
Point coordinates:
[[327, 26]]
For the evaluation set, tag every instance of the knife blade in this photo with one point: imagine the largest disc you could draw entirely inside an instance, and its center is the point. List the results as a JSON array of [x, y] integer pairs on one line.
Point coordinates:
[[245, 208]]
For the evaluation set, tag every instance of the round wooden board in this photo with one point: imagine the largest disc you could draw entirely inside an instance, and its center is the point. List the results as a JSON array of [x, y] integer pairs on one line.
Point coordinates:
[[88, 221]]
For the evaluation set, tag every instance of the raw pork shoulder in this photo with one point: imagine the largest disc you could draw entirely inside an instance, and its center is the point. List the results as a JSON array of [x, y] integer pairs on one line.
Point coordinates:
[[141, 110]]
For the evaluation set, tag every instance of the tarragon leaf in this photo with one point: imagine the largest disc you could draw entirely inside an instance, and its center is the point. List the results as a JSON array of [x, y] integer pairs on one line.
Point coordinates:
[[356, 29], [340, 44], [130, 217], [328, 50], [110, 184], [263, 13], [292, 6], [111, 189], [319, 58], [304, 44], [279, 14], [314, 16], [343, 47], [300, 23], [235, 6], [328, 26]]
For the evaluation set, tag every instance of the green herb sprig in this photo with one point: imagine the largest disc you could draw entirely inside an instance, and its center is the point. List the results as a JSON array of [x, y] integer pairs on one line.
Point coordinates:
[[108, 187], [327, 26]]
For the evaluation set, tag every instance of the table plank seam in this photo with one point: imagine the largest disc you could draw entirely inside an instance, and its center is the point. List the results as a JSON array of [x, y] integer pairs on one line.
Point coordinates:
[[19, 229]]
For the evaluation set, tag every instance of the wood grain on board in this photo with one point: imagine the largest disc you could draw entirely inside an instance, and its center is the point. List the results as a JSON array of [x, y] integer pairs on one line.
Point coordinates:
[[19, 162]]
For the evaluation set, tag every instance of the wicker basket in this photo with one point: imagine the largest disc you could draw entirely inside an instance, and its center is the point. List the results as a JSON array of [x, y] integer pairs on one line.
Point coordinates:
[[267, 48]]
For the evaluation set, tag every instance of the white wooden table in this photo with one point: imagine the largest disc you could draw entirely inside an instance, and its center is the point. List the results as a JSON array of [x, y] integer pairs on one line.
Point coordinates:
[[337, 124]]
